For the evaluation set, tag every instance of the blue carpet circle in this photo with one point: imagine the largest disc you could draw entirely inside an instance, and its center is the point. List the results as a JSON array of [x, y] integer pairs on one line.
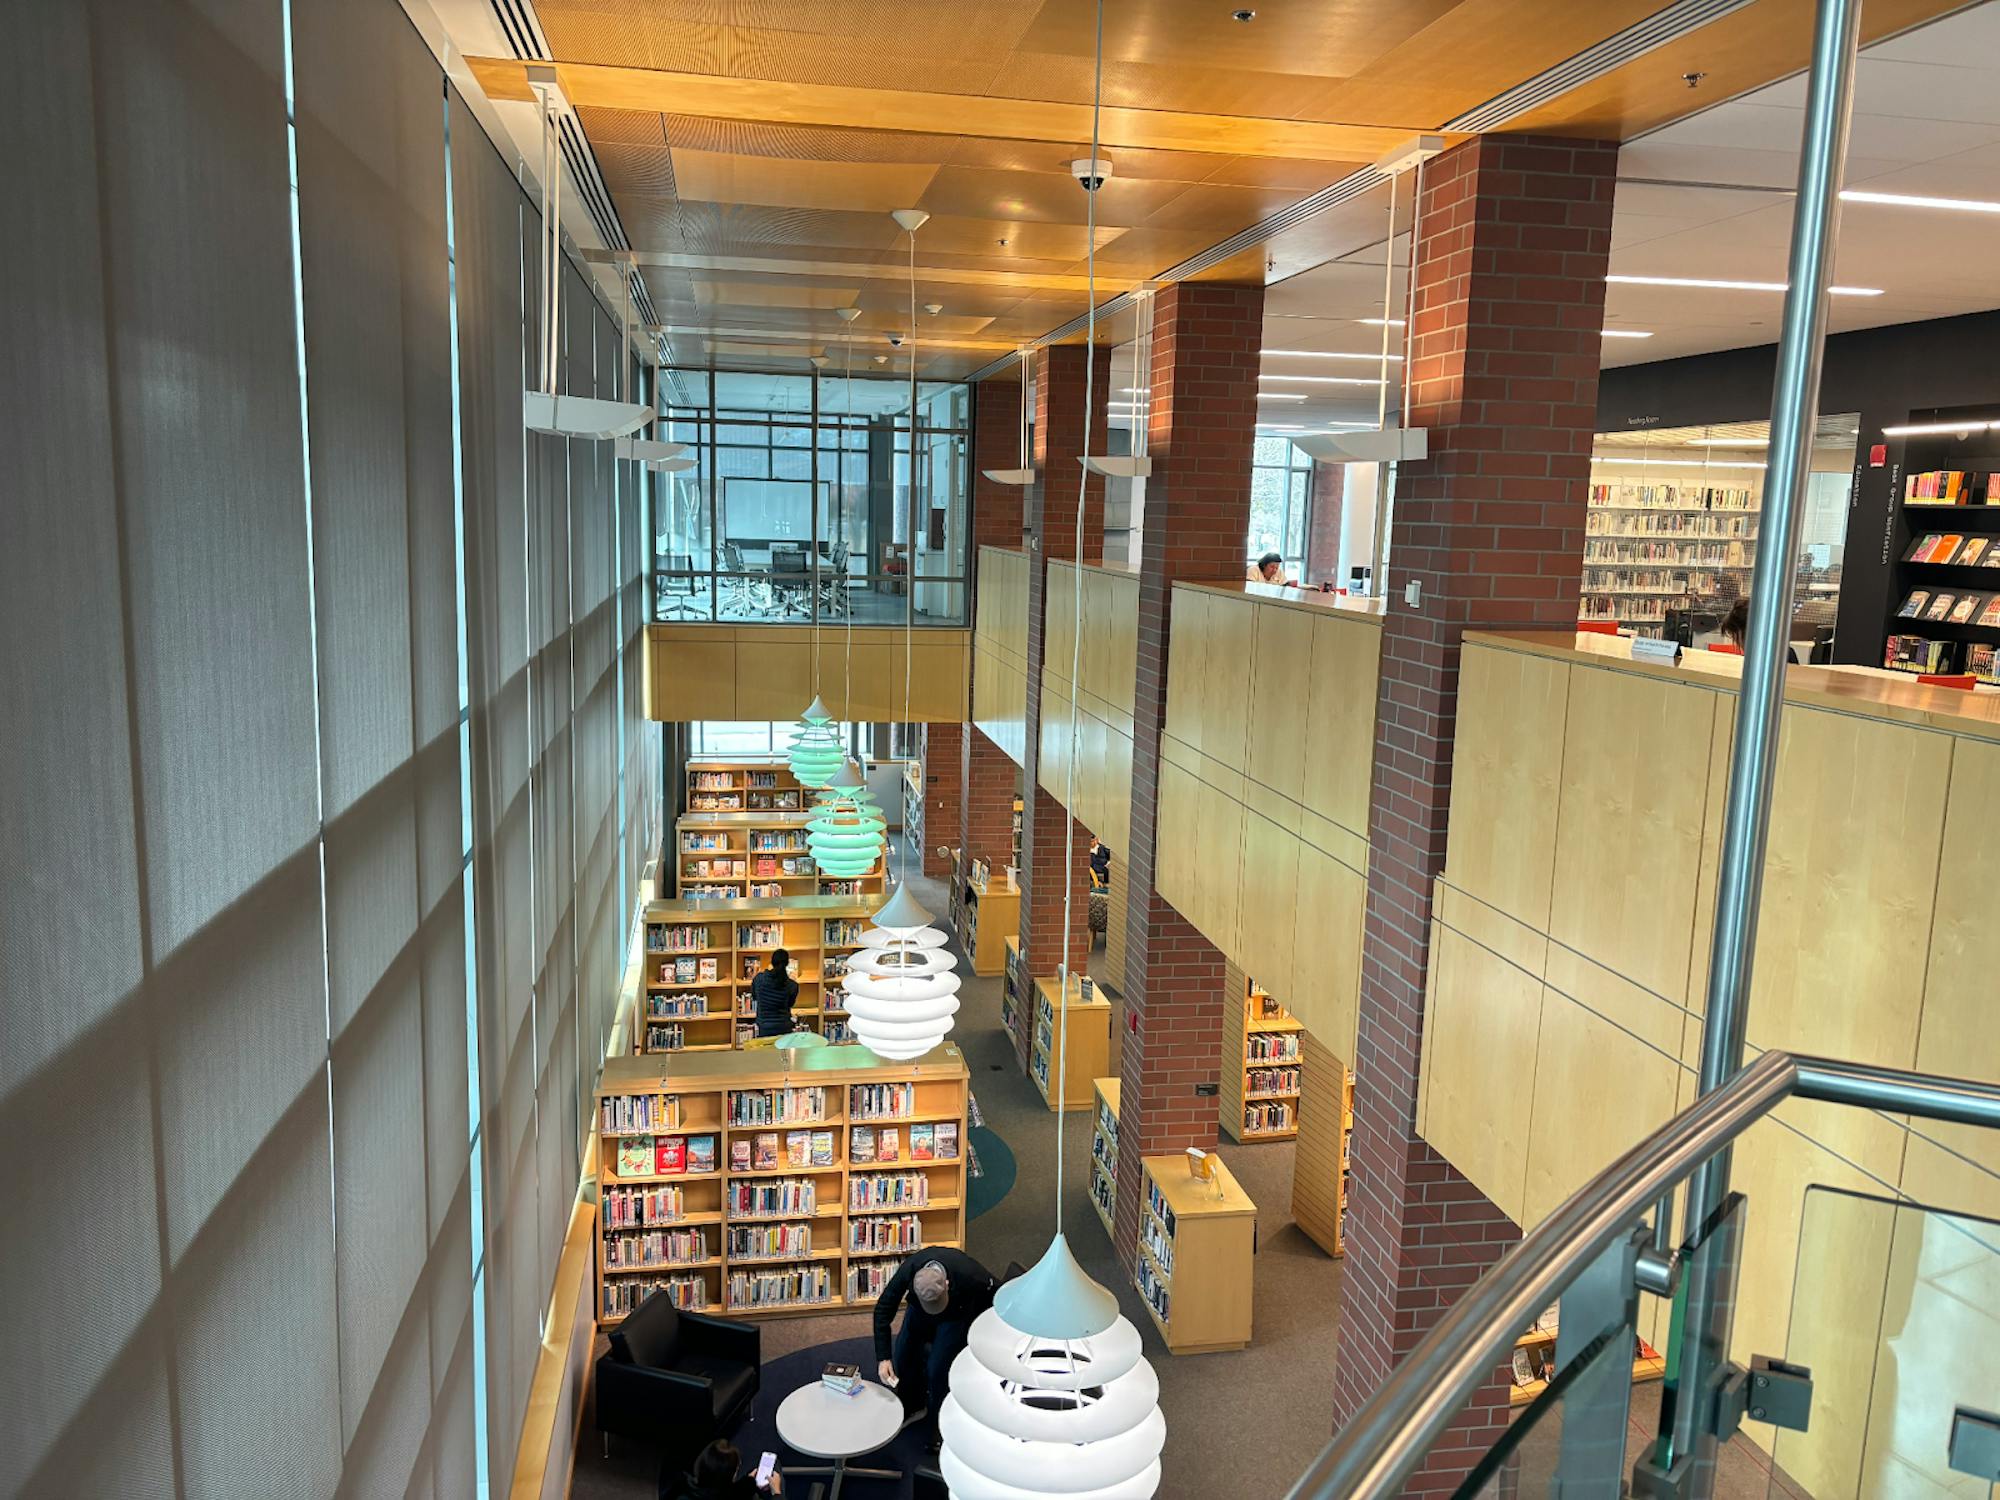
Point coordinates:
[[996, 1172]]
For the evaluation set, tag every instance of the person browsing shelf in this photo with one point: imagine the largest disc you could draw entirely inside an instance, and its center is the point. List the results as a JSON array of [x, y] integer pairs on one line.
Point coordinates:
[[773, 993], [946, 1289], [1736, 624]]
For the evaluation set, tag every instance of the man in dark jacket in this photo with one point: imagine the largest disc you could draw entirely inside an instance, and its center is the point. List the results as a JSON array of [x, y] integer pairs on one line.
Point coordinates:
[[947, 1289], [773, 993]]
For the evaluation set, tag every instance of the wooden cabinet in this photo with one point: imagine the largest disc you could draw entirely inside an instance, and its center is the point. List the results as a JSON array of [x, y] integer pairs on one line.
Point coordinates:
[[1076, 1024], [1196, 1240]]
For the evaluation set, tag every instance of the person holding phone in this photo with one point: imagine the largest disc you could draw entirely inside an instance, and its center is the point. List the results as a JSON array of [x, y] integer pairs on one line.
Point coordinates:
[[717, 1475], [946, 1289]]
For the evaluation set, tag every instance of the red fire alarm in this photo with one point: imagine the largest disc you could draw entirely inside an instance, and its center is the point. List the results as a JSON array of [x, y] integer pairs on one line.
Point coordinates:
[[1878, 455]]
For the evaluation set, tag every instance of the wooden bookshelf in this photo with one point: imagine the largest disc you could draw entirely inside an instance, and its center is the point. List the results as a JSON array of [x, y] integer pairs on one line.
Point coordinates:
[[1647, 1363], [1320, 1168], [1259, 1097], [1104, 1152], [1651, 546], [1014, 985], [913, 810], [986, 913], [1084, 1032], [727, 943], [837, 1240], [749, 785], [1195, 1244], [754, 856]]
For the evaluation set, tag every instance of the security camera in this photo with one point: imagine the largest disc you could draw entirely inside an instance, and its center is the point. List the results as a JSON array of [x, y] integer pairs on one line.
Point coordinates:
[[895, 341], [1091, 172]]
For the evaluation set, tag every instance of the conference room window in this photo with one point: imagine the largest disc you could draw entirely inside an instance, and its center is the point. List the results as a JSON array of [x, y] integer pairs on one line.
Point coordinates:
[[800, 505], [1280, 496]]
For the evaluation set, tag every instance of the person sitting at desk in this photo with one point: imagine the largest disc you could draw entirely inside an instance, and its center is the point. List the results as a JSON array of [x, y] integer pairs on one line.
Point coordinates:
[[1736, 624], [1270, 568], [947, 1289], [773, 993]]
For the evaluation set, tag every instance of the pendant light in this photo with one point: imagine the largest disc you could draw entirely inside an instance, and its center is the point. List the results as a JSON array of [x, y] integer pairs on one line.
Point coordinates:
[[845, 832], [1052, 1395], [815, 753], [901, 991], [1024, 475]]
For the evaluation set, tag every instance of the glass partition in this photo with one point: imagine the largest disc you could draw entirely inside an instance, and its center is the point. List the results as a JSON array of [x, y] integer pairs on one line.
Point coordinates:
[[1280, 497], [804, 502], [1671, 535]]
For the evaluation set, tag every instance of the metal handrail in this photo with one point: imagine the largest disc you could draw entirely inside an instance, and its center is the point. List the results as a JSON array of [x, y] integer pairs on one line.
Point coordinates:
[[1387, 1439]]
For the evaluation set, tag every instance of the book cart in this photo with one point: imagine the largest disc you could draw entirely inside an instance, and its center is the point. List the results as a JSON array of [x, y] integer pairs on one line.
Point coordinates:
[[702, 955], [774, 1180]]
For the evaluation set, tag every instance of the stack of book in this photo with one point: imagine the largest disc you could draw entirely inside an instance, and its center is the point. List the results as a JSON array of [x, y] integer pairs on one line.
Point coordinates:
[[842, 1379]]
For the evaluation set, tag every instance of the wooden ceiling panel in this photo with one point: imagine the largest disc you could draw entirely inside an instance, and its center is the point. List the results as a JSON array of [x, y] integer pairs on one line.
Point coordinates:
[[637, 169], [1139, 253], [1206, 205], [1038, 197], [954, 235], [1067, 79], [768, 182], [628, 127], [804, 142]]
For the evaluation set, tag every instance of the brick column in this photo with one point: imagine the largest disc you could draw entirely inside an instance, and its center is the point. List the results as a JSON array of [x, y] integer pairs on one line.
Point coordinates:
[[1329, 495], [1514, 239], [986, 779], [944, 768], [1206, 339], [1061, 439]]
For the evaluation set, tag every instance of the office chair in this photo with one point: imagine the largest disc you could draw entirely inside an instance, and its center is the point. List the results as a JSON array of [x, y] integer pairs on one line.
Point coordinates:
[[678, 590], [833, 581], [790, 580], [738, 589]]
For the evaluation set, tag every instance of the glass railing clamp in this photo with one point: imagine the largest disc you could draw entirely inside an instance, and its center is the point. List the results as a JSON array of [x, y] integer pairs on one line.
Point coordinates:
[[1975, 1444]]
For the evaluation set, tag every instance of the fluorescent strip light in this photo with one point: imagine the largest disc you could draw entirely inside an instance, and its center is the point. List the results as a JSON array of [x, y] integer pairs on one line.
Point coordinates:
[[1628, 333], [1321, 354], [1322, 379], [1736, 286], [1762, 442], [1927, 429], [1378, 322], [1280, 427], [1680, 463], [1917, 200], [1281, 395]]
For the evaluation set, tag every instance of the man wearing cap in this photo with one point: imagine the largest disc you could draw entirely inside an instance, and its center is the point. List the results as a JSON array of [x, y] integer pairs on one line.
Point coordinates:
[[947, 1289]]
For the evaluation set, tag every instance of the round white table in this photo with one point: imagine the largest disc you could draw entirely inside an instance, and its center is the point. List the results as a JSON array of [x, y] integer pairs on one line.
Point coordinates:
[[826, 1424]]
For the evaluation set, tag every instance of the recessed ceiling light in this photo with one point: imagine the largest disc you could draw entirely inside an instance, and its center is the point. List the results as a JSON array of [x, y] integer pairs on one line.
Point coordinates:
[[1321, 354], [1281, 396], [1243, 15], [1323, 379], [1628, 333], [1917, 200], [1928, 429], [1736, 286]]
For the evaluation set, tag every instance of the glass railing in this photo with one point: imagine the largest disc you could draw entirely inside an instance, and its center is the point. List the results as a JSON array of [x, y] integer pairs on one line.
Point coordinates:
[[760, 596], [1616, 1336]]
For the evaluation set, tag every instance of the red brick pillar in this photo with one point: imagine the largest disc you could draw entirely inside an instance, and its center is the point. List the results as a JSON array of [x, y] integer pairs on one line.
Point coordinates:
[[943, 790], [1514, 235], [1329, 496], [1206, 339], [987, 777], [1061, 439]]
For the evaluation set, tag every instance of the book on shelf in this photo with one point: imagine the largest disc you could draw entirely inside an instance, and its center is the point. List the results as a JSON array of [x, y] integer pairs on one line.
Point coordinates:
[[739, 1156], [945, 1141], [1940, 605], [1913, 607], [635, 1156], [1916, 653], [670, 1155], [1983, 661], [921, 1139], [822, 1148], [887, 1144], [701, 1153], [766, 1153], [861, 1144], [1968, 606], [881, 1101], [785, 1196]]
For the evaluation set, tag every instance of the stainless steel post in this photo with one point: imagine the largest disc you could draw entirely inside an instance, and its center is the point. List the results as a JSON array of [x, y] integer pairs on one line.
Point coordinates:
[[1753, 757]]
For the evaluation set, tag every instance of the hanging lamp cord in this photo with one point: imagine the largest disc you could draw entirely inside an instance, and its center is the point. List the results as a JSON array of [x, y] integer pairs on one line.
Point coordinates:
[[1076, 632], [910, 563]]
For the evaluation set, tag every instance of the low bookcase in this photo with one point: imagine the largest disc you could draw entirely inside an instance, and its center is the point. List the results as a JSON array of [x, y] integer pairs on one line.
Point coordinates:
[[1104, 1153], [1196, 1240], [1088, 1031], [774, 1181]]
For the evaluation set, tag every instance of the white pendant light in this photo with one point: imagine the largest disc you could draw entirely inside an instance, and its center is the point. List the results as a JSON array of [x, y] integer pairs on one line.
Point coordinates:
[[815, 754], [901, 991], [1052, 1395], [847, 832]]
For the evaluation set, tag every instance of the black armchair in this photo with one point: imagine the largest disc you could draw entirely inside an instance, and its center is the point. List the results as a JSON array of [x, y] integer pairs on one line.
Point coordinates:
[[676, 1380]]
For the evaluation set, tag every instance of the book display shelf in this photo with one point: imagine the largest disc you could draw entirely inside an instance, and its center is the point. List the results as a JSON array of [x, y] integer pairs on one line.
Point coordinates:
[[726, 856], [913, 809], [772, 1181], [1014, 986], [1320, 1167], [702, 955], [1083, 1035], [1651, 545], [1947, 610], [1535, 1357], [1259, 1100], [985, 912], [1104, 1152], [744, 786], [1195, 1243]]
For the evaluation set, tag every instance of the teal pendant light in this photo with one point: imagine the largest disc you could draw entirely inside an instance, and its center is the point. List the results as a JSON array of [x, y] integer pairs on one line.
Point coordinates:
[[846, 831], [816, 752]]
